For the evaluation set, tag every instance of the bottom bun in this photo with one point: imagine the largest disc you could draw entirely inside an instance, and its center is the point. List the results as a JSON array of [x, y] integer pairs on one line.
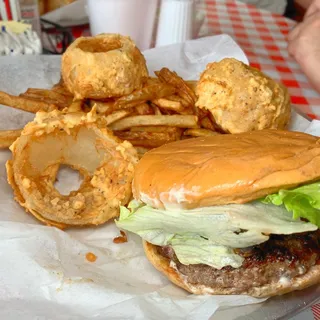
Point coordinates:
[[163, 265]]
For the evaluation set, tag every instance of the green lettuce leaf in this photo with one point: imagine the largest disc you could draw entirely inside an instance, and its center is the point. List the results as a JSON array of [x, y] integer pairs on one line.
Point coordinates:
[[302, 202], [195, 249], [208, 235]]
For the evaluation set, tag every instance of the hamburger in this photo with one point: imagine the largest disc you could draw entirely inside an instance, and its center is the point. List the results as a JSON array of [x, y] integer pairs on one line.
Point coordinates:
[[231, 214]]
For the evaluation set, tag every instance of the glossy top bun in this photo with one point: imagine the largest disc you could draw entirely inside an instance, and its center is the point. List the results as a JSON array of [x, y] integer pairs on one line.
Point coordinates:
[[226, 169]]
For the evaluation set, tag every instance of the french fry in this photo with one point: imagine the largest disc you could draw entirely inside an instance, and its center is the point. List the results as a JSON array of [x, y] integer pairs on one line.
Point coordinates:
[[187, 111], [154, 129], [144, 109], [187, 108], [156, 110], [167, 112], [213, 121], [169, 130], [75, 106], [179, 99], [199, 133], [130, 105], [201, 113], [148, 139], [207, 124], [180, 121], [49, 94], [192, 84], [173, 79], [26, 104], [117, 116], [39, 98], [7, 137], [166, 103], [60, 87], [102, 107], [153, 90], [60, 100], [155, 143]]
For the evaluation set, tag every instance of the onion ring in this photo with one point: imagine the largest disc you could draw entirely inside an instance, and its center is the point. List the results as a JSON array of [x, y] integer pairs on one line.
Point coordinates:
[[105, 66], [76, 140]]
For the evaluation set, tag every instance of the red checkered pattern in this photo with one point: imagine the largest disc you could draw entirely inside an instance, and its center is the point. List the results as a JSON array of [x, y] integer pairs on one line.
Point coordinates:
[[316, 311], [262, 35]]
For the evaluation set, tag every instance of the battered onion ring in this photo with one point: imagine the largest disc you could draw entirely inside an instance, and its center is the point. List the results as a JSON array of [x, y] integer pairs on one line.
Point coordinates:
[[75, 139], [105, 66]]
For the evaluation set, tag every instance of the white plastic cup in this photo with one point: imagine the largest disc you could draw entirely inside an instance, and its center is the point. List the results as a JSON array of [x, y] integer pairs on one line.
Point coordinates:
[[134, 18], [175, 22]]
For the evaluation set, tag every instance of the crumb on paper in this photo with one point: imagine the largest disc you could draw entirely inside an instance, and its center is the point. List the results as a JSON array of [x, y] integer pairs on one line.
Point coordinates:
[[77, 280], [71, 281], [91, 257], [122, 238]]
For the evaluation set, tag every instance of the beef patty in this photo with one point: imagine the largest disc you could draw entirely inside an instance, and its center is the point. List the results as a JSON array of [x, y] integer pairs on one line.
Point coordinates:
[[281, 258]]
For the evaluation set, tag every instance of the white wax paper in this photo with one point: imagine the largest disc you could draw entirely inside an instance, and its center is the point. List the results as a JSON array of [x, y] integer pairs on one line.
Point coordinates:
[[44, 273], [72, 14]]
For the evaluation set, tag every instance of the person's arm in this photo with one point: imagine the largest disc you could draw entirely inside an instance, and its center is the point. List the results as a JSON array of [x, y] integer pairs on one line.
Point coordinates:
[[304, 44]]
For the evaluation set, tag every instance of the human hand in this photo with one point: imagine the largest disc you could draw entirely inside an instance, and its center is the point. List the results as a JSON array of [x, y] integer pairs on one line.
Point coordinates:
[[312, 8], [304, 44]]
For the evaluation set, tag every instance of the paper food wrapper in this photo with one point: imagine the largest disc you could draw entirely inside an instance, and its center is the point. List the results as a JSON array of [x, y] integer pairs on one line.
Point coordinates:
[[44, 272], [73, 14]]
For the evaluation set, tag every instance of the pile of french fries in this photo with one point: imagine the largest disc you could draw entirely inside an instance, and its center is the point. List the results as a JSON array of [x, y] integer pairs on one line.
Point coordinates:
[[162, 111]]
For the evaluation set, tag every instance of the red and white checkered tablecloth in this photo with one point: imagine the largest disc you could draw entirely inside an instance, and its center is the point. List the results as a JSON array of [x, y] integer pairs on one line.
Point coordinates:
[[316, 311], [262, 35]]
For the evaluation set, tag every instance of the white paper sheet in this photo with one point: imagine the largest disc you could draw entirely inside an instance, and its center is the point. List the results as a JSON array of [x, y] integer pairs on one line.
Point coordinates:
[[72, 14], [190, 58], [43, 271]]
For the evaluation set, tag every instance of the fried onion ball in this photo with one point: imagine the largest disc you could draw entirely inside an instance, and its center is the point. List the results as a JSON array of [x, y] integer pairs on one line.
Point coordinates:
[[105, 66], [242, 98]]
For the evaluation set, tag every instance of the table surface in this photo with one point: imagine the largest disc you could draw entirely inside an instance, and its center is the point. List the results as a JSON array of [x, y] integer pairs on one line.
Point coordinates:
[[263, 37]]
